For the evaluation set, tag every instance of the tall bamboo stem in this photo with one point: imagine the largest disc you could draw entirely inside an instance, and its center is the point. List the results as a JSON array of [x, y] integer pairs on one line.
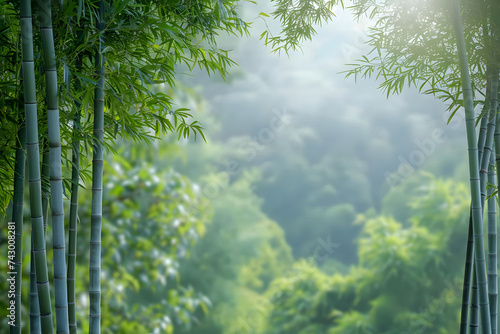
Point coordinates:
[[17, 218], [473, 172], [56, 186], [97, 166], [469, 258], [73, 212], [31, 118]]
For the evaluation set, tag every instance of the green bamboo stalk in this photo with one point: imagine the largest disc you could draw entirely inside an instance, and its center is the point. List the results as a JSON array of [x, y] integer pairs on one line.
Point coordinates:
[[469, 260], [474, 306], [492, 234], [492, 249], [473, 171], [484, 155], [45, 209], [470, 239], [485, 158], [492, 82], [17, 218], [56, 186], [97, 170], [492, 229], [483, 125], [31, 119], [45, 184], [35, 327], [73, 213]]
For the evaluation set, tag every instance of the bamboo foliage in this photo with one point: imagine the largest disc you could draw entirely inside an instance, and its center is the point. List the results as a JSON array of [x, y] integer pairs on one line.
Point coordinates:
[[31, 119], [17, 218], [97, 170], [56, 187], [473, 172]]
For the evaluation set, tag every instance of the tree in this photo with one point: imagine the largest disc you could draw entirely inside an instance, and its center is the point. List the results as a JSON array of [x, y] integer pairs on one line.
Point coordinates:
[[407, 280], [153, 218], [242, 252]]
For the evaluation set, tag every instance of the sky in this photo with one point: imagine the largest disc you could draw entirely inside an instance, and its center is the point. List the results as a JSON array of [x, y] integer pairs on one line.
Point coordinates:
[[310, 83]]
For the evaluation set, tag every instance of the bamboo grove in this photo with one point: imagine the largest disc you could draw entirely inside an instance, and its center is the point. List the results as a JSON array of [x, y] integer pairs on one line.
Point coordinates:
[[76, 76]]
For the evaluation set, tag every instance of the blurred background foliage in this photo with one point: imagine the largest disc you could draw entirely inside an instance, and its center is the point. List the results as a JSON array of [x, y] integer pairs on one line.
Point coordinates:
[[291, 230]]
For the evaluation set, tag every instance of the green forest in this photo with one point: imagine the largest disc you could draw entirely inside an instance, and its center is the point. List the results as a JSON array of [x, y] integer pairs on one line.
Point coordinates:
[[249, 167]]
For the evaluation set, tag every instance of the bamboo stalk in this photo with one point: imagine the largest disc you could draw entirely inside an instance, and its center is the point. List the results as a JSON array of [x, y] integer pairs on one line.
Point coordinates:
[[97, 171], [474, 305], [474, 173], [492, 82], [492, 249], [469, 258], [73, 213], [35, 327], [45, 184], [31, 118], [17, 218], [56, 186], [486, 156], [492, 233]]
